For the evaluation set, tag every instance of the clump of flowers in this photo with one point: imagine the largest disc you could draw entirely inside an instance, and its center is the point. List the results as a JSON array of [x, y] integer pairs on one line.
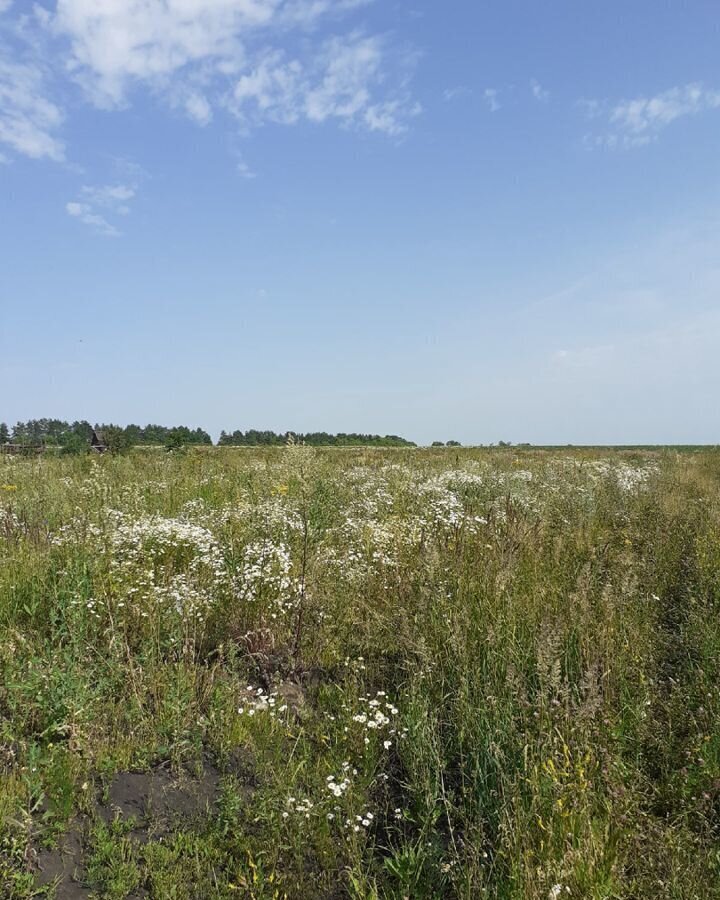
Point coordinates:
[[338, 784], [365, 730], [302, 807], [260, 701], [265, 578], [167, 563]]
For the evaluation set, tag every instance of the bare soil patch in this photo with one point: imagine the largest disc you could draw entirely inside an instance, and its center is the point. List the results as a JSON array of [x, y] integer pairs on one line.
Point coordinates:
[[155, 802]]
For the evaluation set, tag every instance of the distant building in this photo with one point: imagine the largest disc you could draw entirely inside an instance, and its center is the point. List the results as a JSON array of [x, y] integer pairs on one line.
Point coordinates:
[[97, 441]]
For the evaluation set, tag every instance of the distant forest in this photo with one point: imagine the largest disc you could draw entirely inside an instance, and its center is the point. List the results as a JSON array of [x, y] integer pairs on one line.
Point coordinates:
[[254, 438], [76, 436]]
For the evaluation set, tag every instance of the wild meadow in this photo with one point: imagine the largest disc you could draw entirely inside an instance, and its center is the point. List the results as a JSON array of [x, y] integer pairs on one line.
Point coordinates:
[[386, 673]]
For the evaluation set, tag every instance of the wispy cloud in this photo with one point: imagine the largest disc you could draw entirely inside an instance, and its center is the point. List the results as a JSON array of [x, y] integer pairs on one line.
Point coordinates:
[[85, 214], [244, 170], [539, 92], [118, 44], [339, 82], [490, 95], [129, 172], [111, 199], [261, 60], [637, 122], [198, 108], [638, 337], [459, 90], [111, 196], [28, 119]]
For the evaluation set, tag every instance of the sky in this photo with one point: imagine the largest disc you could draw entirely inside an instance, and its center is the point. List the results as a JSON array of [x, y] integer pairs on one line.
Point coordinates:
[[466, 220]]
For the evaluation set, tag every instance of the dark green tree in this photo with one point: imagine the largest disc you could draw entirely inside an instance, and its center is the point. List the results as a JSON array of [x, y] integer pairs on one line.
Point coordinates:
[[175, 439], [83, 429], [116, 440], [72, 442]]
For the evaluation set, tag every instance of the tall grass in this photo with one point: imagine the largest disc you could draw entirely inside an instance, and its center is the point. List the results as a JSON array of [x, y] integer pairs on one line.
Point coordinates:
[[425, 674]]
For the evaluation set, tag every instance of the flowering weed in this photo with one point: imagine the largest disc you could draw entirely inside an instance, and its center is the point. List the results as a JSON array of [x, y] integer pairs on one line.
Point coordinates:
[[425, 674]]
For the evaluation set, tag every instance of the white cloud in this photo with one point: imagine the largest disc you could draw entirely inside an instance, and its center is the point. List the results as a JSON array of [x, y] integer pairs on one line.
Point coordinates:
[[390, 116], [539, 92], [84, 212], [28, 119], [118, 43], [337, 82], [459, 90], [273, 87], [342, 90], [491, 98], [651, 114], [5, 5], [637, 122], [201, 58], [244, 170], [110, 195], [112, 199], [187, 51], [305, 12], [198, 108]]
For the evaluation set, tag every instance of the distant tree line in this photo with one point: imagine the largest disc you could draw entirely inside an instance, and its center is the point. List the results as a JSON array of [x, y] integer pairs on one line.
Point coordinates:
[[253, 438], [49, 433], [160, 434], [76, 436]]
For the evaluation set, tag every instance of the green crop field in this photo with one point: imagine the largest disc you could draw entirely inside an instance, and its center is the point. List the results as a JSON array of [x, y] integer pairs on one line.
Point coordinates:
[[367, 673]]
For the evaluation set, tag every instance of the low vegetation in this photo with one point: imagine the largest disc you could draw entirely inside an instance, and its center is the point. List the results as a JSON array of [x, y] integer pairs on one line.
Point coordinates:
[[300, 673]]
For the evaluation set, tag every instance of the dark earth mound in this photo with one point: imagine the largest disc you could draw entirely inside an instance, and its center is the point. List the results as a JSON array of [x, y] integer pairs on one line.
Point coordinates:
[[153, 803]]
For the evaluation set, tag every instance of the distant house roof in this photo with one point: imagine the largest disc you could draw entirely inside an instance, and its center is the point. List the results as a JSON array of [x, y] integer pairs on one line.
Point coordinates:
[[98, 438]]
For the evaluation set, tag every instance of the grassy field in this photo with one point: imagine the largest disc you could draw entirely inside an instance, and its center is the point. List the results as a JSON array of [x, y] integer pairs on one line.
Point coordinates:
[[369, 674]]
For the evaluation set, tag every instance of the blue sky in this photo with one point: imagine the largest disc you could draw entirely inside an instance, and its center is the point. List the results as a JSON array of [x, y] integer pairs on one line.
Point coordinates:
[[472, 220]]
